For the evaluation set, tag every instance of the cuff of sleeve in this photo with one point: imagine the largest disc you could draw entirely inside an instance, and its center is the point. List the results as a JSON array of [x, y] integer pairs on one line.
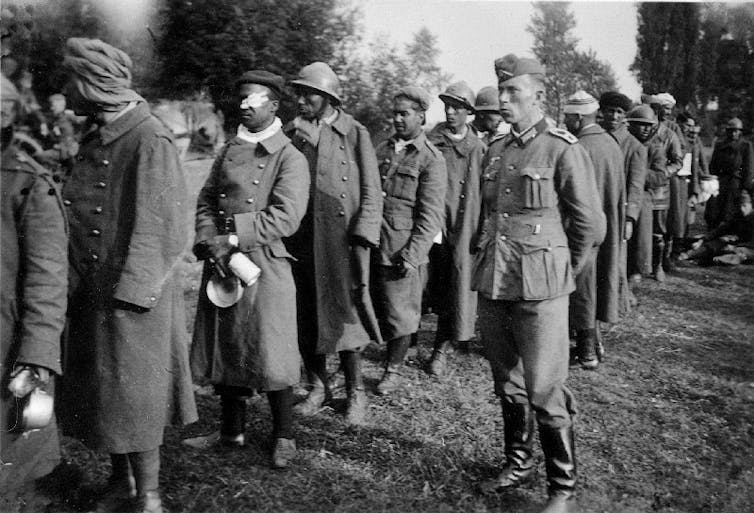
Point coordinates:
[[40, 353], [368, 230], [405, 255], [137, 294]]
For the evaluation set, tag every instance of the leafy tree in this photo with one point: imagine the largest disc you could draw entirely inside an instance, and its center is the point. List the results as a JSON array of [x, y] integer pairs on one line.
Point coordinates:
[[668, 49], [568, 69]]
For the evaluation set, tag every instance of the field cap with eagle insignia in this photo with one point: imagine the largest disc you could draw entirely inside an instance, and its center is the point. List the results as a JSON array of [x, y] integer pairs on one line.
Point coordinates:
[[510, 66]]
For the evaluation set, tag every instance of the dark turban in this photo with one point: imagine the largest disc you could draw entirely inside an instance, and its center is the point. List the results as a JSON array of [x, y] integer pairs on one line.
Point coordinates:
[[615, 99], [104, 73]]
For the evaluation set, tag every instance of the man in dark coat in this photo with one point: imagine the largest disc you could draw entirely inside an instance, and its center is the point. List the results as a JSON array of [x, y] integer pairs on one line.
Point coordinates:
[[34, 278], [541, 217], [597, 292], [733, 163], [614, 107], [450, 260], [126, 352], [341, 225], [414, 182], [255, 195]]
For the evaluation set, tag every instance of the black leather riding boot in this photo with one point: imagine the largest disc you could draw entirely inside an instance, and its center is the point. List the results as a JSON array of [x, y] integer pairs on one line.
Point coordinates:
[[350, 362], [560, 463]]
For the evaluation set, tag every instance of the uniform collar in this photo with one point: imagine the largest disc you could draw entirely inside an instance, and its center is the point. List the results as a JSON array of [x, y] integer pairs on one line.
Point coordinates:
[[530, 133], [591, 130], [439, 136], [124, 123], [416, 142], [342, 123], [272, 144]]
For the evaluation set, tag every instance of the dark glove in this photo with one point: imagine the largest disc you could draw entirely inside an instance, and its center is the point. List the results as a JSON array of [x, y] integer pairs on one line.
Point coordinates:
[[217, 250], [358, 240]]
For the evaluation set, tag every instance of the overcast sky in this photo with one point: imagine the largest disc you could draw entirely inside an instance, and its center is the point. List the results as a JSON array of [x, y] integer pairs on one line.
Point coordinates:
[[472, 34]]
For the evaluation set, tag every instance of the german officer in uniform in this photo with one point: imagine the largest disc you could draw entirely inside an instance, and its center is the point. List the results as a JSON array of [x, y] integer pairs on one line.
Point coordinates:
[[540, 220], [341, 225], [34, 279], [451, 259], [255, 195], [413, 183], [126, 351]]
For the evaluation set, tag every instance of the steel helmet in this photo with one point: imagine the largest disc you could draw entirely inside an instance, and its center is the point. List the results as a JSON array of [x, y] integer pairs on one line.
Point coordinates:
[[8, 91], [320, 77], [487, 100], [460, 92], [734, 124], [642, 114]]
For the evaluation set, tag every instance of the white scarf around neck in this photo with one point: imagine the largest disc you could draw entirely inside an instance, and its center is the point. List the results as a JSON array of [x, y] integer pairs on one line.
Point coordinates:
[[245, 134]]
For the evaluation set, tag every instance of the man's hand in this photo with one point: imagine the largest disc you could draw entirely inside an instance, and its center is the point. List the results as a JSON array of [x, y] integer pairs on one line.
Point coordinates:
[[628, 230], [26, 378], [217, 250]]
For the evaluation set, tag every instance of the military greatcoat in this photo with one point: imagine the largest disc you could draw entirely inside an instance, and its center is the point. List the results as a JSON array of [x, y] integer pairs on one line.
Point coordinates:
[[599, 295], [344, 202], [463, 161], [733, 164], [414, 182], [34, 279], [258, 191], [125, 356]]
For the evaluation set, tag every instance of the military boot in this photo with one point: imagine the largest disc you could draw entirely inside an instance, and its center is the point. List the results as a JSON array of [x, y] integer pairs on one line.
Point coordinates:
[[669, 256], [439, 358], [560, 463], [586, 342], [357, 399], [391, 380], [319, 393], [658, 250], [518, 428]]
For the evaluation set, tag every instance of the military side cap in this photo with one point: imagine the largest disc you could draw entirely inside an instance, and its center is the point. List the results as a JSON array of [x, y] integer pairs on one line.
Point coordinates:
[[262, 77], [642, 114], [615, 99], [582, 103], [510, 66], [662, 99], [487, 100], [460, 92], [734, 124], [416, 94]]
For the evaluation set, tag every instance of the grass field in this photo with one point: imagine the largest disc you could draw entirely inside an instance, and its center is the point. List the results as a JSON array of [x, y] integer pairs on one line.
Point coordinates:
[[666, 424]]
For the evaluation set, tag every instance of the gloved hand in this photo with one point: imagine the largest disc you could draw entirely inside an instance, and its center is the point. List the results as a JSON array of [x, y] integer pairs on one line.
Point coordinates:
[[217, 250], [26, 378]]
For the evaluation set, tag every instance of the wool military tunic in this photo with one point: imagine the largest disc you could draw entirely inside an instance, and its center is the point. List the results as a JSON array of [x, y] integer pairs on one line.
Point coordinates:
[[463, 161], [260, 192], [126, 350], [414, 182], [34, 283], [344, 202]]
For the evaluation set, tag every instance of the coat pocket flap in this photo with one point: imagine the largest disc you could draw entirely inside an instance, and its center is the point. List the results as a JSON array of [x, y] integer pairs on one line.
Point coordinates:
[[408, 170], [279, 250]]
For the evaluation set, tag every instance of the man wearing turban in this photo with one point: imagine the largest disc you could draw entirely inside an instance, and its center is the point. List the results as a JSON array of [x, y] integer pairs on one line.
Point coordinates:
[[126, 351]]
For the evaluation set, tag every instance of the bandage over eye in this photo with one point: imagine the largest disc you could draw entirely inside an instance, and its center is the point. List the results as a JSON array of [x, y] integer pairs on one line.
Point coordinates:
[[254, 100]]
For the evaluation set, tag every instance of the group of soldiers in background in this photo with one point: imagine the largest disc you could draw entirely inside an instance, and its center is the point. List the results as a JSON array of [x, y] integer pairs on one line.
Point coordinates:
[[536, 229]]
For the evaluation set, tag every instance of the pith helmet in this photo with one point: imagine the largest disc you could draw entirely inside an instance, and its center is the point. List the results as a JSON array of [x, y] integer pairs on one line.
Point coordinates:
[[642, 114], [320, 77], [460, 92], [732, 124], [487, 100]]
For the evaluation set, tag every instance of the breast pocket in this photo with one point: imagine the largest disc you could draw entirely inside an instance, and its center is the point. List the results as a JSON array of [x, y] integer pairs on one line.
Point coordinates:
[[405, 181], [539, 187]]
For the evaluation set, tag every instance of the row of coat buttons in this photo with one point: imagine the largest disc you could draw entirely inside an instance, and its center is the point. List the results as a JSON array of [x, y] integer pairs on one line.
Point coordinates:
[[95, 210]]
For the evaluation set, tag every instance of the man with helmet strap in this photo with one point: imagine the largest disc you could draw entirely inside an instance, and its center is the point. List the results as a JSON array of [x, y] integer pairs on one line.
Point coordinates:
[[487, 118], [333, 244], [450, 260]]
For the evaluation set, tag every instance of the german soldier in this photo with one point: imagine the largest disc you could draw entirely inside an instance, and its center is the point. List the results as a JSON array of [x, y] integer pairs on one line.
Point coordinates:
[[255, 195], [598, 286], [34, 278], [414, 182], [451, 259], [341, 225], [540, 219], [126, 352]]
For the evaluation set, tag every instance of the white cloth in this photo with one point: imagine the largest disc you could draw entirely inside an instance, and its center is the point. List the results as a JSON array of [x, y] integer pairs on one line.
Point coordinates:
[[686, 168], [245, 134]]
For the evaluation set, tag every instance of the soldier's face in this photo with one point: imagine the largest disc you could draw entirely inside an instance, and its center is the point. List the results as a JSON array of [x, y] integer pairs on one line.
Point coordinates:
[[310, 103], [258, 107], [7, 113], [455, 113], [518, 99], [487, 121], [407, 119], [689, 129], [640, 130], [57, 106], [733, 133], [573, 123], [613, 118]]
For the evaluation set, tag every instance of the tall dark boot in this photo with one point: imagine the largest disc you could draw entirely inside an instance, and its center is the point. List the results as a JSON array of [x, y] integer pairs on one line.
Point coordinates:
[[586, 343], [396, 353], [319, 392], [668, 257], [120, 489], [658, 250], [284, 448], [519, 439], [356, 410], [560, 463], [146, 467], [439, 358]]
